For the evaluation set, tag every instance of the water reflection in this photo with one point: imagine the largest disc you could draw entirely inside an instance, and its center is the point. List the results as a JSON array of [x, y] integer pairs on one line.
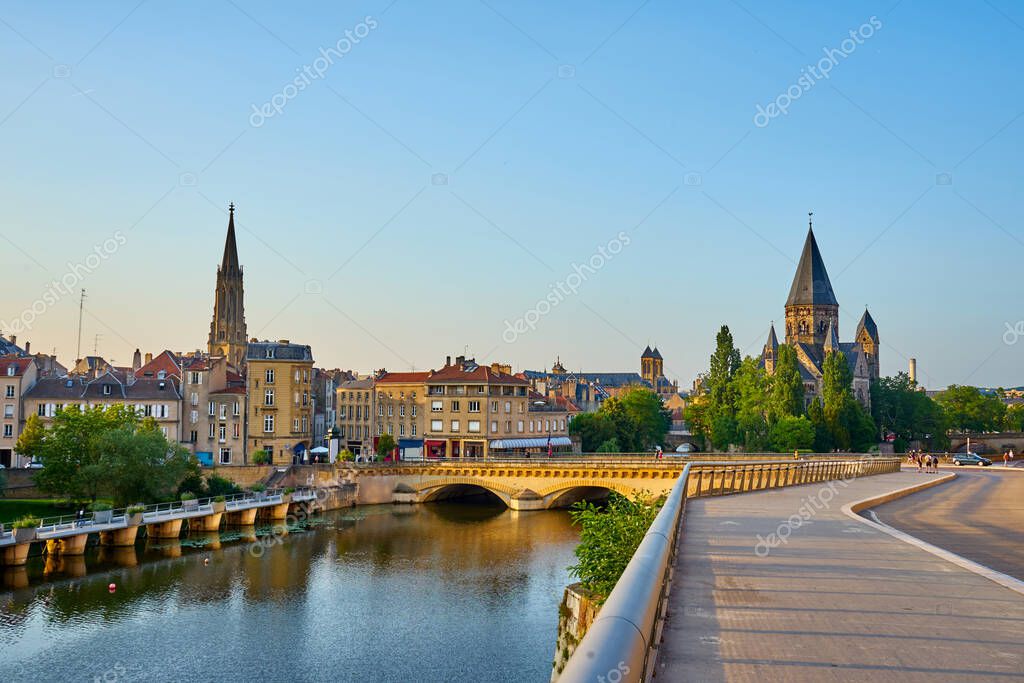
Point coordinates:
[[377, 593]]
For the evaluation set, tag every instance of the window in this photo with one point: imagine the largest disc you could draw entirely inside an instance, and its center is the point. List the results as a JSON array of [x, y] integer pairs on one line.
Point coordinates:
[[222, 434], [508, 426], [235, 409], [8, 430], [270, 352], [520, 427], [391, 410], [508, 406], [414, 411], [561, 426], [341, 413], [380, 410], [380, 429], [455, 406], [436, 426], [237, 430], [474, 406], [436, 406], [106, 390], [225, 456], [295, 425], [8, 411], [455, 425], [193, 436], [305, 423], [194, 378], [11, 370], [305, 376], [531, 425], [494, 425], [391, 428], [522, 407], [268, 398], [10, 391], [305, 398], [213, 408], [474, 426], [195, 399], [547, 425], [401, 429], [412, 429], [401, 410], [211, 431], [268, 422], [223, 411], [269, 376], [297, 376], [494, 406], [193, 416]]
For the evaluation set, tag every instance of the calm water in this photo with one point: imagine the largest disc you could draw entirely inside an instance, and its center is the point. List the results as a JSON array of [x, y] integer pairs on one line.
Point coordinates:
[[439, 592]]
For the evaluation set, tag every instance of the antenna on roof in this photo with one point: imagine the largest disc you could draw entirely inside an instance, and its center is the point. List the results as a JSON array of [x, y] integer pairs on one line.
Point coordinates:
[[81, 305]]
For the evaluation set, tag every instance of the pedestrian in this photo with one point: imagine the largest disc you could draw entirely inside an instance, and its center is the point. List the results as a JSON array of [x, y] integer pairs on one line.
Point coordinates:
[[1006, 458], [919, 461], [79, 516]]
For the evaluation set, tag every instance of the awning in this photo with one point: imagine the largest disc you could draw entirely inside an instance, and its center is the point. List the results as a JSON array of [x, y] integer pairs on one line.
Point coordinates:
[[541, 442]]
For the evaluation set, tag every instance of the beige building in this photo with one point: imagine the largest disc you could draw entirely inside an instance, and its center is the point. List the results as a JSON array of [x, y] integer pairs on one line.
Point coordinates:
[[279, 376], [399, 411], [470, 406], [355, 401], [17, 375], [156, 397]]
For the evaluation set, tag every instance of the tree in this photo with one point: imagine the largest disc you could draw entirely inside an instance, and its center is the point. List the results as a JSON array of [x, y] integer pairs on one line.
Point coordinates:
[[636, 420], [792, 433], [1013, 421], [822, 435], [848, 423], [725, 362], [142, 465], [259, 457], [385, 445], [787, 386], [592, 430], [969, 410], [3, 482], [898, 408], [648, 418], [610, 446], [31, 438], [608, 539], [750, 388]]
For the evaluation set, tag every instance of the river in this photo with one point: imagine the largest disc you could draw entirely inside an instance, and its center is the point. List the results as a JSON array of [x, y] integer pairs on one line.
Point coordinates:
[[439, 592]]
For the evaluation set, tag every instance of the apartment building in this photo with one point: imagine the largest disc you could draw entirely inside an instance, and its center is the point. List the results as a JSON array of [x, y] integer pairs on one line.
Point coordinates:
[[400, 410], [279, 376], [18, 374], [355, 406]]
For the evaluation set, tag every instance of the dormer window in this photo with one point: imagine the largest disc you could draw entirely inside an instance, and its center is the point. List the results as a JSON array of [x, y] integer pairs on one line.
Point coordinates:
[[161, 374], [106, 390], [270, 352], [10, 371]]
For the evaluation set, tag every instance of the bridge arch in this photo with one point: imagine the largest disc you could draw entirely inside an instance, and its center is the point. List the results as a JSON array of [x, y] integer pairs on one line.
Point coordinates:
[[438, 489], [567, 492]]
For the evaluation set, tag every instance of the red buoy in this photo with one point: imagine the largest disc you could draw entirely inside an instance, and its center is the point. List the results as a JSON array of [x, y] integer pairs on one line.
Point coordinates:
[[112, 587]]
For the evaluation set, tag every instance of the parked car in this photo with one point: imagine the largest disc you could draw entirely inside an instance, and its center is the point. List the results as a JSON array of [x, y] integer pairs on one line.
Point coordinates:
[[33, 465], [970, 459]]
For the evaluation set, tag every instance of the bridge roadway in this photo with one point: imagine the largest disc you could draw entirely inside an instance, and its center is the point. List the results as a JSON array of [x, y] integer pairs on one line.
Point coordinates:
[[838, 601]]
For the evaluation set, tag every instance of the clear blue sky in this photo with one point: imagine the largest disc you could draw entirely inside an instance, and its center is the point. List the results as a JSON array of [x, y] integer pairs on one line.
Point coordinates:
[[558, 126]]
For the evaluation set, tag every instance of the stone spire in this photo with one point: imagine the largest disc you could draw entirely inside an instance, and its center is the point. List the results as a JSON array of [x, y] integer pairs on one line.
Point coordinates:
[[831, 339], [227, 330], [812, 305]]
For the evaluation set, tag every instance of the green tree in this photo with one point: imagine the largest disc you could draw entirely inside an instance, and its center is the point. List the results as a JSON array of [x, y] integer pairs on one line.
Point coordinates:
[[259, 457], [3, 482], [822, 435], [30, 440], [750, 388], [725, 362], [899, 408], [792, 433], [636, 420], [969, 410], [1013, 421], [647, 417], [787, 386], [608, 538], [142, 465], [848, 423], [385, 445], [609, 446]]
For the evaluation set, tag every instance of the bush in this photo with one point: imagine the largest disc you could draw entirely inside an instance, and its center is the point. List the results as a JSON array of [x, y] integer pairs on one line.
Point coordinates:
[[218, 499], [259, 457], [135, 509], [258, 488], [346, 455], [100, 507], [608, 539], [289, 490], [26, 522], [188, 496], [219, 486]]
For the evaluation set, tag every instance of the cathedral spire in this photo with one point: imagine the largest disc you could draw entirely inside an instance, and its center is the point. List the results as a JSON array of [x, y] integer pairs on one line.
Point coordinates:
[[831, 339], [230, 260], [811, 284]]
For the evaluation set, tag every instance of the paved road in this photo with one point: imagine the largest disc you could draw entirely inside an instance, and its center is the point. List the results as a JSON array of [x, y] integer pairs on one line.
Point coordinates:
[[980, 516], [839, 601]]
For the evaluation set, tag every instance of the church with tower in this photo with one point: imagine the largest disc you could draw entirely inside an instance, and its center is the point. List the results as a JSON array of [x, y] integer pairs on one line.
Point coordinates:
[[227, 329], [812, 329]]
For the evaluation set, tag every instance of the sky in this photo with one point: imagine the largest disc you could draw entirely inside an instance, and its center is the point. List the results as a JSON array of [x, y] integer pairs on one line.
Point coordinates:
[[522, 181]]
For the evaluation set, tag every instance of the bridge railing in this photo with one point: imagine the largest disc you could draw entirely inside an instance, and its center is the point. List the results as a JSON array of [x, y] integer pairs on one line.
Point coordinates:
[[669, 462], [627, 629]]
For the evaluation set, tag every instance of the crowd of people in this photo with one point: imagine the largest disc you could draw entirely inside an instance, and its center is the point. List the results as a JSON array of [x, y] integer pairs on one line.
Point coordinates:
[[926, 462]]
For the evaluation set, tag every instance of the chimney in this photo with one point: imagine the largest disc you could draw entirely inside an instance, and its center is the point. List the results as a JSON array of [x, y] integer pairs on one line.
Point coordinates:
[[913, 370], [28, 346], [14, 339], [149, 358], [136, 361], [447, 361]]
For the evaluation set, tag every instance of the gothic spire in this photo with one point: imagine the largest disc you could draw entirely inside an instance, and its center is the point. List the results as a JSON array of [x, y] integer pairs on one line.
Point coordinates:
[[811, 284], [831, 339], [867, 323], [773, 341], [230, 260]]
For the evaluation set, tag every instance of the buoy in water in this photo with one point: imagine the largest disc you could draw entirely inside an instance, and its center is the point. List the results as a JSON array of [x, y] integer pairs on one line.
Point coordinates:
[[112, 587], [206, 561]]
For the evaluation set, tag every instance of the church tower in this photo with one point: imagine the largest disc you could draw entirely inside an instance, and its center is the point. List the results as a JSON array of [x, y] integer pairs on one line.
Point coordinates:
[[227, 330], [812, 306], [867, 337]]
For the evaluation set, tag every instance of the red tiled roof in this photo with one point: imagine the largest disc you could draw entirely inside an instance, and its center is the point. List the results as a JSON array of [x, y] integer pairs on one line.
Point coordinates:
[[454, 373], [403, 377], [166, 361], [20, 364], [230, 390]]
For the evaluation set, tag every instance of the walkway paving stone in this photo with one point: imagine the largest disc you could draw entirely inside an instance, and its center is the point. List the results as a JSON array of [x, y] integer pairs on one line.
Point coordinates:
[[838, 601]]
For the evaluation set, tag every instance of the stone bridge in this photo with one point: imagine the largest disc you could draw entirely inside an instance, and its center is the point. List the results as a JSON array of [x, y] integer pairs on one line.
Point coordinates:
[[993, 443], [544, 484]]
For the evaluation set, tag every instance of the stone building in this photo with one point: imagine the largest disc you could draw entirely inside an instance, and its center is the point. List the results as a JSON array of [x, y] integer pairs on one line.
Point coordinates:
[[227, 329], [812, 329], [18, 375], [355, 406], [279, 383]]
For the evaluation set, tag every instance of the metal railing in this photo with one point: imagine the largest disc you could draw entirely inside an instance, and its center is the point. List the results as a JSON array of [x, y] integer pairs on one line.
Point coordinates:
[[627, 629], [646, 459]]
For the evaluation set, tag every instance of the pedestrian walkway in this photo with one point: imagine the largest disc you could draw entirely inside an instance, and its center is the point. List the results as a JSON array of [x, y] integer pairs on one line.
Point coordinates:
[[835, 601]]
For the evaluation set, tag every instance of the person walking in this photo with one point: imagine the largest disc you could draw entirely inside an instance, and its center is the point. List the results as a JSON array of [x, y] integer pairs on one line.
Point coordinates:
[[1006, 458]]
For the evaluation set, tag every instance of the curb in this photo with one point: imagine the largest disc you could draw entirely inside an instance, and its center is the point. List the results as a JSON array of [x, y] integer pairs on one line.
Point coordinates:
[[852, 510]]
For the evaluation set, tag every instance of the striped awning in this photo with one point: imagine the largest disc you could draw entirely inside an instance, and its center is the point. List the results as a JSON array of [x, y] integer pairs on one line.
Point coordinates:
[[541, 442]]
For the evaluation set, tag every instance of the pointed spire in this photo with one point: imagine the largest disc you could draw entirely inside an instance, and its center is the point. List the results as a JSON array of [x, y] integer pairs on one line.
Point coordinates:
[[773, 342], [811, 284], [867, 323], [831, 338], [655, 353], [230, 260], [647, 352]]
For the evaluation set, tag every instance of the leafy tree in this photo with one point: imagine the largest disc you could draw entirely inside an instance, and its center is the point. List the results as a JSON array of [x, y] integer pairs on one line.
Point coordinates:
[[610, 446], [751, 392], [635, 419], [792, 433], [822, 435], [592, 430], [385, 445], [647, 417], [345, 455], [1013, 421], [142, 465], [31, 438], [969, 410], [725, 362], [608, 538], [219, 486], [899, 408], [848, 423], [259, 457], [787, 386]]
